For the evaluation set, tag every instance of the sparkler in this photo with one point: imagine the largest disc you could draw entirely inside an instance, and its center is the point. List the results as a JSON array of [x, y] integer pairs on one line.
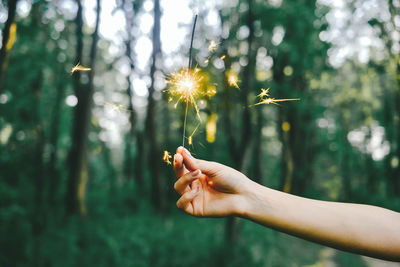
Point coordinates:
[[186, 85], [79, 67], [266, 99]]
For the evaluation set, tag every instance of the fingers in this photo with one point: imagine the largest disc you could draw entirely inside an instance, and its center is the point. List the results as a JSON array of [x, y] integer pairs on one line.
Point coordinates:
[[193, 164], [182, 185], [178, 165], [185, 202]]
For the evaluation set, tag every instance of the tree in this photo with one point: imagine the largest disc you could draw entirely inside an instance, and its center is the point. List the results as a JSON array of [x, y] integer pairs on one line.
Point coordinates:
[[6, 41], [78, 156], [154, 160]]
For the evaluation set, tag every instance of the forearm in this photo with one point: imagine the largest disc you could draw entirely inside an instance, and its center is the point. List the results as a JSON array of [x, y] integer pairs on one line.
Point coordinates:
[[361, 229]]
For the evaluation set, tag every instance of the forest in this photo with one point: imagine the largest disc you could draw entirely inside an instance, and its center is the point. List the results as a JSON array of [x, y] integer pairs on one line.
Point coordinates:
[[89, 116]]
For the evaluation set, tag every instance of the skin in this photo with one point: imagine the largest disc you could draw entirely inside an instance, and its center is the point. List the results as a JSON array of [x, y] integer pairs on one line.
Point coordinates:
[[210, 189]]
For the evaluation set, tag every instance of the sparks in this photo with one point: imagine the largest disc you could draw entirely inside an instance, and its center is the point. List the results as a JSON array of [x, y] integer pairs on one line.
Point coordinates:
[[186, 86], [79, 67], [232, 79], [266, 99], [166, 157]]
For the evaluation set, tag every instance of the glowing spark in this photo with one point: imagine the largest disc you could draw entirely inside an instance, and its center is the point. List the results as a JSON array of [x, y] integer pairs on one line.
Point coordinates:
[[186, 86], [211, 91], [269, 100], [264, 92], [79, 67], [223, 57], [232, 79], [213, 46], [210, 182], [166, 157], [190, 138], [117, 107]]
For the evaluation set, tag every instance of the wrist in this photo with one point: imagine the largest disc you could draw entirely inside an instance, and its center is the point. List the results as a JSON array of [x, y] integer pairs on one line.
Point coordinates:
[[245, 201]]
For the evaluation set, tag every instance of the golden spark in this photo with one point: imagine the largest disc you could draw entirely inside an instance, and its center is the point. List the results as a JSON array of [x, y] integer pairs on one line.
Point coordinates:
[[186, 86], [213, 46], [79, 67], [232, 79], [266, 99], [166, 157], [190, 138]]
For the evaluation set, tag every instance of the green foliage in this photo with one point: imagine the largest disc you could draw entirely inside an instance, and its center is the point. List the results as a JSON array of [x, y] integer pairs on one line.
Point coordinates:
[[121, 227]]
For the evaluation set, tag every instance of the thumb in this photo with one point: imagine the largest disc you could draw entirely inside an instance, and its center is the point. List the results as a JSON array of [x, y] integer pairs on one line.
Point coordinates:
[[193, 164]]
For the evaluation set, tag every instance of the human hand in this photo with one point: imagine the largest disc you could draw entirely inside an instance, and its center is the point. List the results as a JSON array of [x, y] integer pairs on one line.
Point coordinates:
[[208, 189]]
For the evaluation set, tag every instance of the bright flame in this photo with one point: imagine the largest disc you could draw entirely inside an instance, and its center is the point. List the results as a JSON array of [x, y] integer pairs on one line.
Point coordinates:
[[186, 86]]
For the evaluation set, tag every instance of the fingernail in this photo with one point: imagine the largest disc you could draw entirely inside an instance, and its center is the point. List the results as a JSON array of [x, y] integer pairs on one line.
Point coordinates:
[[195, 173], [195, 190]]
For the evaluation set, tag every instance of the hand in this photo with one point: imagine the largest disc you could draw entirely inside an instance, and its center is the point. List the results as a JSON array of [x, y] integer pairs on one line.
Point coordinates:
[[208, 189]]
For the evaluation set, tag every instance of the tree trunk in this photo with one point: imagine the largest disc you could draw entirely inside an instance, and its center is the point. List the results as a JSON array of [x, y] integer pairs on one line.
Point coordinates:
[[241, 158], [52, 172], [78, 156], [154, 163], [130, 137], [12, 4]]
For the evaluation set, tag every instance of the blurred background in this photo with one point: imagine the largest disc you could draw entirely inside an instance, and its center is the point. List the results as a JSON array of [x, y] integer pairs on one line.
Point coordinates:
[[82, 177]]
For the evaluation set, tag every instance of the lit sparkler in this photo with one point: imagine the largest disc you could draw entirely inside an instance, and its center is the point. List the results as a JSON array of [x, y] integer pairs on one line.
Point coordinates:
[[186, 85], [79, 67], [266, 99]]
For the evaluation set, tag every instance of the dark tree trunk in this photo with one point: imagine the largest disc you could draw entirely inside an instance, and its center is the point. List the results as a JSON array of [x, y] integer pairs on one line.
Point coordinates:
[[12, 4], [52, 171], [154, 163], [241, 158], [78, 156]]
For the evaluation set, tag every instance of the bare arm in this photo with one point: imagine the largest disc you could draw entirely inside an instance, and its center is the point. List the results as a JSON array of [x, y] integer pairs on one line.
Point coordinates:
[[361, 229]]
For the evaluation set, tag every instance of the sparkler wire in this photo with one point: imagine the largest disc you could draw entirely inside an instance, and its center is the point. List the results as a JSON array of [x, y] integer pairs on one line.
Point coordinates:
[[189, 67]]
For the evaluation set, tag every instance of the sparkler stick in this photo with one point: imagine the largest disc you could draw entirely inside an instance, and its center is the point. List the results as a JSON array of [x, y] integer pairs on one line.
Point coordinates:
[[189, 67]]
